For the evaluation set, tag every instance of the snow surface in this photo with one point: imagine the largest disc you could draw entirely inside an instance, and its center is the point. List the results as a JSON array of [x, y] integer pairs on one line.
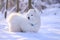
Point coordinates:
[[49, 29]]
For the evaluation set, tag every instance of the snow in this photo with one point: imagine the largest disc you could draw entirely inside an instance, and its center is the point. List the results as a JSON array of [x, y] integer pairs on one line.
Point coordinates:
[[49, 29], [1, 16], [51, 11]]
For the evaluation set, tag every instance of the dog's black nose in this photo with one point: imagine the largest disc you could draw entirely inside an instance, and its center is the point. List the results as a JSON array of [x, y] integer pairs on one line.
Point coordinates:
[[32, 24], [28, 17]]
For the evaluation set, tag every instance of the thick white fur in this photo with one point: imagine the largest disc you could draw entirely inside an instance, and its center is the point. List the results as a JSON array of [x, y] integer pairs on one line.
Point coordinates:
[[20, 22]]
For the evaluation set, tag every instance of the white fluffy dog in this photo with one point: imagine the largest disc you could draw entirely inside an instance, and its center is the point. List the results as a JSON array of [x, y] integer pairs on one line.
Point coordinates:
[[30, 22]]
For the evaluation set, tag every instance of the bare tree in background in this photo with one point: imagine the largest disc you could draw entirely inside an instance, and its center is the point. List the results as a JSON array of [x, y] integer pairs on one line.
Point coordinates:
[[6, 8], [17, 6], [29, 4], [1, 4]]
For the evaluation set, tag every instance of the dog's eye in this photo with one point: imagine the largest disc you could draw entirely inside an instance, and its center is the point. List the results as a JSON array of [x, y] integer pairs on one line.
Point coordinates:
[[31, 15], [28, 17]]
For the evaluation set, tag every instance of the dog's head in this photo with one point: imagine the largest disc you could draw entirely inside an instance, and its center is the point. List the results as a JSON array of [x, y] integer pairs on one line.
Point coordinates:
[[33, 15]]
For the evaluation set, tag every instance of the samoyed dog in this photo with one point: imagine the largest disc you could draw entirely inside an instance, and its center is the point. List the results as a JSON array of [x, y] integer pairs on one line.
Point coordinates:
[[29, 22]]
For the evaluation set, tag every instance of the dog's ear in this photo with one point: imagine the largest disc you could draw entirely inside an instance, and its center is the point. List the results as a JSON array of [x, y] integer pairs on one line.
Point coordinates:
[[30, 12]]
